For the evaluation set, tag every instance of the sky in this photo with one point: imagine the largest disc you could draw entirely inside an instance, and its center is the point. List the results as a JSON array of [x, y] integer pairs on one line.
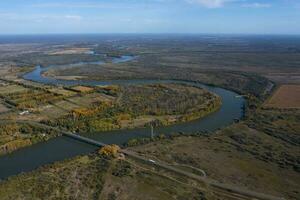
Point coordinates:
[[150, 16]]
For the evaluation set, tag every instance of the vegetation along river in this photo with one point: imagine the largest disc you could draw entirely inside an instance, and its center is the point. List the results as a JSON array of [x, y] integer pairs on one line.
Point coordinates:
[[59, 148]]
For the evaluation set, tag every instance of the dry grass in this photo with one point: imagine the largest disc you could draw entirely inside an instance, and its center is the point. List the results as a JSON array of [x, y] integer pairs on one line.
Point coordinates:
[[96, 177], [287, 96], [51, 112], [70, 51], [9, 89], [237, 156], [62, 91], [90, 99], [82, 89], [66, 105]]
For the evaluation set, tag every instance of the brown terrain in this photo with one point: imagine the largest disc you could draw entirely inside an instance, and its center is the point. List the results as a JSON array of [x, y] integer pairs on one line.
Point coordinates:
[[286, 96]]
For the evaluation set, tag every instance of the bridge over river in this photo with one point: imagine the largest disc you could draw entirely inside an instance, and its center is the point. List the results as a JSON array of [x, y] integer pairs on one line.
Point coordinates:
[[220, 187]]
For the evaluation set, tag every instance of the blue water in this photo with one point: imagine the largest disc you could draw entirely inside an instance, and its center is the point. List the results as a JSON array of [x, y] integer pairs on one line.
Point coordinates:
[[60, 148]]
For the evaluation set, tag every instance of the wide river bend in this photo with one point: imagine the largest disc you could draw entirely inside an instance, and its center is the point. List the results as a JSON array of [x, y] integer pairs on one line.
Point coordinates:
[[60, 148]]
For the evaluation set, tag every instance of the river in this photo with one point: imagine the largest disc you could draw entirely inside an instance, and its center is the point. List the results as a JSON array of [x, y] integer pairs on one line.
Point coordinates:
[[60, 148]]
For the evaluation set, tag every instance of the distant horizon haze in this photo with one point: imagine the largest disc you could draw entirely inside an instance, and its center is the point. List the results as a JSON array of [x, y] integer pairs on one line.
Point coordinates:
[[266, 17]]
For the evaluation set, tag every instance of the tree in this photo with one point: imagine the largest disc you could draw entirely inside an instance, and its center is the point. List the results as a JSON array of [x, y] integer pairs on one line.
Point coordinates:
[[110, 150]]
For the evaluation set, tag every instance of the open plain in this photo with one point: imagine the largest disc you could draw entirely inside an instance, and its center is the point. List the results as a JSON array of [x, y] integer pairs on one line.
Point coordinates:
[[184, 105]]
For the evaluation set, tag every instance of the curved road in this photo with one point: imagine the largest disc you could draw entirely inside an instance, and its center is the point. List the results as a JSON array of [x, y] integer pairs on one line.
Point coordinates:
[[220, 186]]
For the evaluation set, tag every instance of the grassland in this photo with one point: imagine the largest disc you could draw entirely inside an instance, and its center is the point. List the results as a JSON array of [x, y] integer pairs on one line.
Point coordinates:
[[96, 177], [260, 153], [237, 155], [272, 57]]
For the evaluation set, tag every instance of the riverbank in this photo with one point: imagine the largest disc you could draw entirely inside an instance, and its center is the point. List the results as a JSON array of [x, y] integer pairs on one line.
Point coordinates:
[[96, 177], [217, 116], [61, 148], [140, 106], [98, 109], [14, 136], [238, 149]]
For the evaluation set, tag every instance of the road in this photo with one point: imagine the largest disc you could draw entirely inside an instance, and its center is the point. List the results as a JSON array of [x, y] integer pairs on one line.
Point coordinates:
[[209, 182], [212, 183]]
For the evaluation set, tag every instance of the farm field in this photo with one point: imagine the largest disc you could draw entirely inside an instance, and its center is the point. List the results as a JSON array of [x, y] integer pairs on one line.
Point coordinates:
[[82, 89], [62, 91], [10, 89], [259, 151], [286, 96], [120, 107], [89, 99], [150, 100], [102, 108]]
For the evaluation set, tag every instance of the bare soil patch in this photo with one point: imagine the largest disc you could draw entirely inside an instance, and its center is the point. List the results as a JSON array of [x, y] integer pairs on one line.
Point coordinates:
[[82, 89], [287, 96]]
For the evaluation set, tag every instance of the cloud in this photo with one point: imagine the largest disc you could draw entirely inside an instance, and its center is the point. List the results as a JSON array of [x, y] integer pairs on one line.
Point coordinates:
[[17, 17], [257, 5], [210, 3], [73, 17], [68, 5], [92, 5]]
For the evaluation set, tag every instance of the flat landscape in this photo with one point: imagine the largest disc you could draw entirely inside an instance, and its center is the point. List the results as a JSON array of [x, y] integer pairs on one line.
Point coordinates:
[[193, 117], [150, 100]]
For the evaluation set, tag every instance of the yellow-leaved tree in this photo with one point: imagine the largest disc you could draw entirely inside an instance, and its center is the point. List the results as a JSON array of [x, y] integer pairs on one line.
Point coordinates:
[[110, 150]]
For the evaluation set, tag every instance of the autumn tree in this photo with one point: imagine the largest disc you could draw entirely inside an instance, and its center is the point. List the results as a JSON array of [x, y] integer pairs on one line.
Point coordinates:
[[110, 150]]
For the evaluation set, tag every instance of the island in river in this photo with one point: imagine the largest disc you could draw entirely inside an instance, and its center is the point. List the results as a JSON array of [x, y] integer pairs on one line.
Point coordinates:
[[259, 153], [103, 108]]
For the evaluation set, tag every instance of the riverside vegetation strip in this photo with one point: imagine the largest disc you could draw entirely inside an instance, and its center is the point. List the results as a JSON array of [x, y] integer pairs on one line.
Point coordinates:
[[138, 106], [103, 108], [96, 177], [260, 153], [15, 135], [249, 157]]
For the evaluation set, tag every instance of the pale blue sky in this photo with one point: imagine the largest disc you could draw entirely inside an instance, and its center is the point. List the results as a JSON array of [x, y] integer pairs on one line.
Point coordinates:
[[150, 16]]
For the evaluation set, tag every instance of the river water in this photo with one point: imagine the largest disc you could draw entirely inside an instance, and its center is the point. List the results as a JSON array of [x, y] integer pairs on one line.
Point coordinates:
[[60, 148]]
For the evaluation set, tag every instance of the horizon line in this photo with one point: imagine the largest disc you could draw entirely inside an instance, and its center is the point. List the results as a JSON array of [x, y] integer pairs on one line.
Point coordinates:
[[162, 33]]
